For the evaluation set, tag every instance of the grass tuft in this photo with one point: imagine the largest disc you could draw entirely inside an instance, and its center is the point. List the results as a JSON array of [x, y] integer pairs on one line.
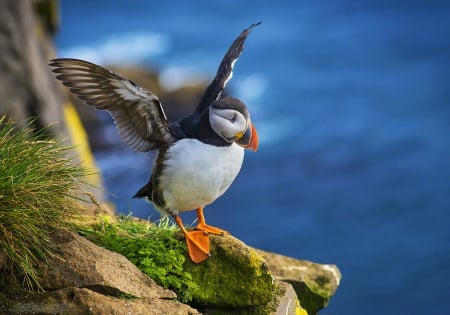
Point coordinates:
[[39, 185]]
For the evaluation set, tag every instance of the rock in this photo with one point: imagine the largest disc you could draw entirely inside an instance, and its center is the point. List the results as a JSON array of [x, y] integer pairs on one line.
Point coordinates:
[[83, 278], [287, 302], [284, 302], [237, 280], [80, 263], [86, 301], [235, 276], [314, 283], [29, 92], [27, 87]]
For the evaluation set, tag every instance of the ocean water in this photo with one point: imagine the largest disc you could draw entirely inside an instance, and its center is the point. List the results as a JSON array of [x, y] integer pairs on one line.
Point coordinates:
[[352, 104]]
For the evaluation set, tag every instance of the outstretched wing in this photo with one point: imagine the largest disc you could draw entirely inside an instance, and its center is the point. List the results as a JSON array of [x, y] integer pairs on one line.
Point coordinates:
[[137, 112], [225, 71]]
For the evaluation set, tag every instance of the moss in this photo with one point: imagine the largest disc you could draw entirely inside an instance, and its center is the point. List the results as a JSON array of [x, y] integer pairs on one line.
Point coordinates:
[[235, 276], [313, 292], [280, 292], [152, 248], [310, 299]]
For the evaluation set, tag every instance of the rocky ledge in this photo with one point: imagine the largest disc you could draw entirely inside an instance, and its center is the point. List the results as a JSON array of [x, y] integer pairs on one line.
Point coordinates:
[[83, 278]]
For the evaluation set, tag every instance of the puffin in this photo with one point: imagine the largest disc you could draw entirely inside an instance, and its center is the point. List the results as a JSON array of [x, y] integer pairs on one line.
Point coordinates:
[[198, 157]]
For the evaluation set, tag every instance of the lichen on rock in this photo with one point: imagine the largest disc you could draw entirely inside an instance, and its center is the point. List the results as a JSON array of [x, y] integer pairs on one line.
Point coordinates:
[[314, 283], [235, 276]]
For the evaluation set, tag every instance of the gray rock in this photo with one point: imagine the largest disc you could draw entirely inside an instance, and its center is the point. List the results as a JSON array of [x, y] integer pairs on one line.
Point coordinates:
[[287, 302]]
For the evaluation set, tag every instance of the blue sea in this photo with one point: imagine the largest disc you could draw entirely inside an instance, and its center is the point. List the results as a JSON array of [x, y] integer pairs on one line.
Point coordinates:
[[351, 100]]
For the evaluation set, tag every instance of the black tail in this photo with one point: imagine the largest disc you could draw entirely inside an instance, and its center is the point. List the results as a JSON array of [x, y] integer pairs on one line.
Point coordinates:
[[144, 192]]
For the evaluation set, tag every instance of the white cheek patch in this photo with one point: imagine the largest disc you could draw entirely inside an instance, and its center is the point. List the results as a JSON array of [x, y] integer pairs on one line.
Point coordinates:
[[219, 125], [227, 122]]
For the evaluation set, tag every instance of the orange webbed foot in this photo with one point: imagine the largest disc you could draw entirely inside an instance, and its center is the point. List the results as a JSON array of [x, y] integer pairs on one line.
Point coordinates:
[[197, 242], [198, 245], [211, 229], [202, 226]]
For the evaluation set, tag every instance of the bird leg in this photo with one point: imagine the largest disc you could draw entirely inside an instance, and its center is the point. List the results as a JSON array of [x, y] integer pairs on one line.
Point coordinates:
[[202, 226], [197, 242]]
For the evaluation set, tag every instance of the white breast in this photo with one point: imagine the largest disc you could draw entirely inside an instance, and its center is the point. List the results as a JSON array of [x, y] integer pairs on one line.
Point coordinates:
[[196, 174]]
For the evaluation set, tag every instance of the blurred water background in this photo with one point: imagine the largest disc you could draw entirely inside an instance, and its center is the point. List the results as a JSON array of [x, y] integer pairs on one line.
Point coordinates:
[[352, 103]]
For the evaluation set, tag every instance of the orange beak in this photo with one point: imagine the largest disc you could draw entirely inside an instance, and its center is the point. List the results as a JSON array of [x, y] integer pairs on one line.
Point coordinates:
[[249, 139]]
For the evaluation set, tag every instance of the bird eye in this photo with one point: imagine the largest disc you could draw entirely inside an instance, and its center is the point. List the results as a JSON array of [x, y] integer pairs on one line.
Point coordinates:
[[233, 119]]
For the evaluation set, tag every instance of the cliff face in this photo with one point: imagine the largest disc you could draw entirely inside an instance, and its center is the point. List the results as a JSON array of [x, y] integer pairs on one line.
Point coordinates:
[[27, 88]]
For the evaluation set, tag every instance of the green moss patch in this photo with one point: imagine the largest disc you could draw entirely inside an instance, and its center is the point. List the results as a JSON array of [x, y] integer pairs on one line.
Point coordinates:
[[152, 248], [235, 276]]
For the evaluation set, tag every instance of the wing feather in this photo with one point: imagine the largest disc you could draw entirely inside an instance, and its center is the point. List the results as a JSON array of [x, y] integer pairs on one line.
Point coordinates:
[[225, 71], [137, 112]]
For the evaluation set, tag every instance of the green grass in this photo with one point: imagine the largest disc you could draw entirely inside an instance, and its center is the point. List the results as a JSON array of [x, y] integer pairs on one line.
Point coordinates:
[[153, 248], [38, 187]]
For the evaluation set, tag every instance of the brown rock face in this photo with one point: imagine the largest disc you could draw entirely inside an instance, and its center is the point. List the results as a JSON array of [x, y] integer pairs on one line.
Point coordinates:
[[84, 278], [79, 263]]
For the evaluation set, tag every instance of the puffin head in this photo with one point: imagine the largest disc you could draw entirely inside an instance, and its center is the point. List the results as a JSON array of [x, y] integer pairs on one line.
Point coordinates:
[[229, 118]]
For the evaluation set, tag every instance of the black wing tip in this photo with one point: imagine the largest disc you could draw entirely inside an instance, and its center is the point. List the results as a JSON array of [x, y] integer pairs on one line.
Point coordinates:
[[239, 41], [254, 25], [251, 27]]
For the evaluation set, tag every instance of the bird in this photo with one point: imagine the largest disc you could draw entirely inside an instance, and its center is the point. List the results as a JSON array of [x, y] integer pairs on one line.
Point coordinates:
[[198, 157]]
